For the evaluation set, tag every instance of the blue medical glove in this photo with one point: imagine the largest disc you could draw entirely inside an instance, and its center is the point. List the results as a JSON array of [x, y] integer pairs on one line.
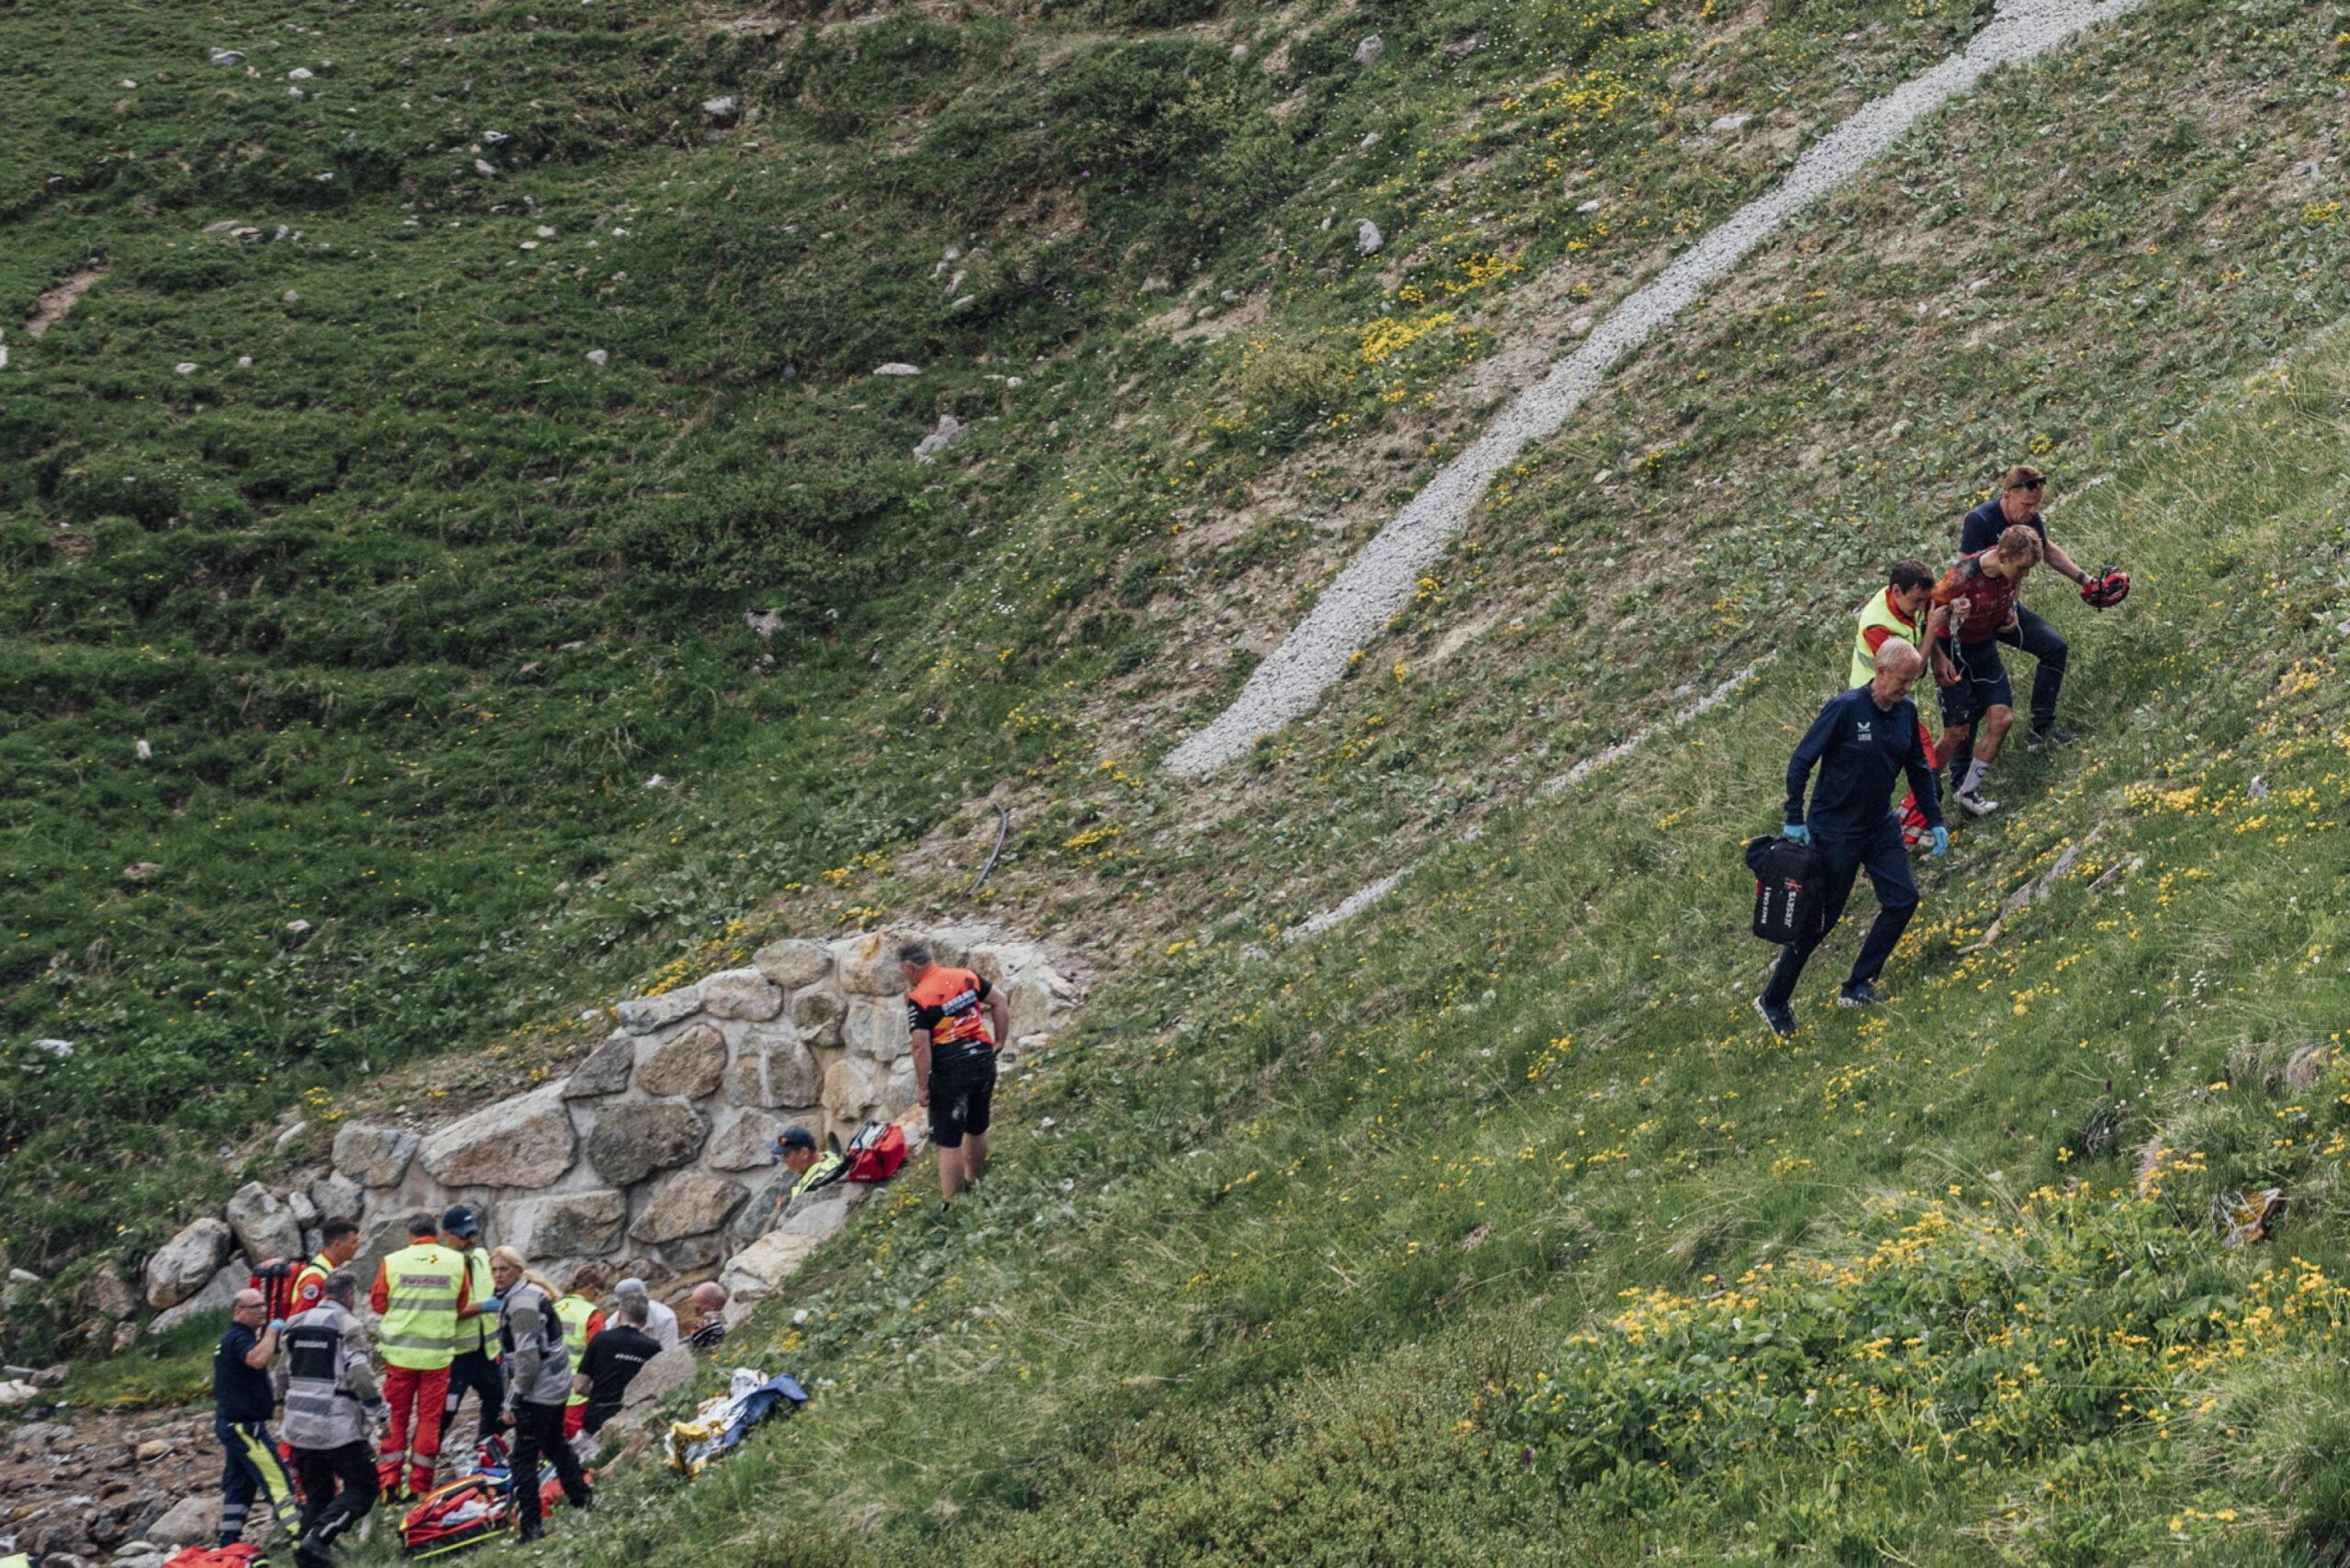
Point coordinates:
[[493, 1306], [1941, 842], [277, 1325], [1797, 832]]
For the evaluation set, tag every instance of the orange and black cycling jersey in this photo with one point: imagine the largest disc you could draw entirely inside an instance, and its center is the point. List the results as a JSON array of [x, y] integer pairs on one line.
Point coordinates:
[[949, 1004], [1990, 599]]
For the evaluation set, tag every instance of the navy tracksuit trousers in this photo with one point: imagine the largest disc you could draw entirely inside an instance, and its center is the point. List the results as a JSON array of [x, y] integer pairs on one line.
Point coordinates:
[[1879, 851]]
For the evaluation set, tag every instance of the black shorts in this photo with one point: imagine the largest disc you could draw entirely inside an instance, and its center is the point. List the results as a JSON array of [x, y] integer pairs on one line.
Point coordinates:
[[1982, 683], [961, 1094]]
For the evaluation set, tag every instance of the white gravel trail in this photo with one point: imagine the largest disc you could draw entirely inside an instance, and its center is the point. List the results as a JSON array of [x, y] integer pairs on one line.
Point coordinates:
[[1378, 581]]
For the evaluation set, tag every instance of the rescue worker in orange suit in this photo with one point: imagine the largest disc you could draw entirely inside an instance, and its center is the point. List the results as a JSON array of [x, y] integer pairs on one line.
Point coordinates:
[[421, 1291], [957, 1020]]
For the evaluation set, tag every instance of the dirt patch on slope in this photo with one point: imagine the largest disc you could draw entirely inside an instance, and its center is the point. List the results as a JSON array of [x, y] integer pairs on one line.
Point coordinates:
[[51, 306]]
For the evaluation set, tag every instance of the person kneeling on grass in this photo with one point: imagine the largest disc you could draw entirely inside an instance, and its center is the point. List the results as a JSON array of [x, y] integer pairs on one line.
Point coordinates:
[[1861, 743]]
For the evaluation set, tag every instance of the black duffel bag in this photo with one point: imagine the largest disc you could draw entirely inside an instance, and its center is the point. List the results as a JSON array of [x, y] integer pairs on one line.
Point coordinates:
[[1788, 897]]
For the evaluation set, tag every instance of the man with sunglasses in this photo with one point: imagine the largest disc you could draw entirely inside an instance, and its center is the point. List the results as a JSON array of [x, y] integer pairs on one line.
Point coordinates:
[[2017, 505]]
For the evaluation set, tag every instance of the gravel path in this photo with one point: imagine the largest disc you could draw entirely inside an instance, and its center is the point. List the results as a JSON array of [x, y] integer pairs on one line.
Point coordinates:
[[1378, 581]]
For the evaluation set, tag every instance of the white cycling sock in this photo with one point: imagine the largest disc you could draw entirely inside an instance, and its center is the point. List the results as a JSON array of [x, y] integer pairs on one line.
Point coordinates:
[[1976, 771]]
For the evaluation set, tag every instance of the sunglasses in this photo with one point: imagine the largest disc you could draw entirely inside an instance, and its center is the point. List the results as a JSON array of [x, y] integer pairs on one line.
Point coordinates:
[[2034, 485]]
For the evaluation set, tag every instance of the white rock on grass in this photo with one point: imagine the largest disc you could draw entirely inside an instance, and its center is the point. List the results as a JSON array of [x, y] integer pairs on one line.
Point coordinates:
[[180, 1268], [897, 367], [1368, 239], [600, 357], [949, 431], [1369, 49]]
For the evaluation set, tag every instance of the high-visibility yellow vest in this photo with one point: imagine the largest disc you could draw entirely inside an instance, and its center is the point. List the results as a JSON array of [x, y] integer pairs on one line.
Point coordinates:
[[421, 1285], [479, 1332], [1876, 613], [575, 1311]]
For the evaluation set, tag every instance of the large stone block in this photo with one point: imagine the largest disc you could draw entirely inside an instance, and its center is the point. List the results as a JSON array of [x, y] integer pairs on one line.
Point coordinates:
[[263, 1223], [523, 1142], [792, 963], [741, 993], [191, 1521], [766, 1263], [672, 1369], [1031, 1002], [816, 1013], [636, 1138], [688, 1204], [686, 1067], [337, 1196], [876, 1027], [180, 1268], [373, 1156], [868, 965], [988, 962], [565, 1225], [605, 1070], [643, 1014], [745, 1140], [219, 1293], [772, 1067], [858, 1090]]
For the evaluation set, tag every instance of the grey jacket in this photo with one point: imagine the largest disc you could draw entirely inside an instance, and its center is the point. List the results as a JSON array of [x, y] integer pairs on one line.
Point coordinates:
[[537, 1364], [326, 1378]]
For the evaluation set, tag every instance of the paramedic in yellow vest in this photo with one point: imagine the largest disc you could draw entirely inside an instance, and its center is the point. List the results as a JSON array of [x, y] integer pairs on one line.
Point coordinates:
[[1895, 613], [583, 1319], [419, 1289], [475, 1365]]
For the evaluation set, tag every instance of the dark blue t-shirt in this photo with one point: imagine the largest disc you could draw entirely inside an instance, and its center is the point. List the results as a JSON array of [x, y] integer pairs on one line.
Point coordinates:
[[1986, 522], [240, 1393], [1860, 749]]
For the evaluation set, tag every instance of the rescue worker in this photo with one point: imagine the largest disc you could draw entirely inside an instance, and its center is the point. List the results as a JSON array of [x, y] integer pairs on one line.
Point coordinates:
[[1896, 613], [1861, 741], [331, 1400], [583, 1319], [1980, 595], [2017, 505], [812, 1168], [613, 1360], [338, 1245], [531, 1337], [475, 1363], [660, 1320], [242, 1403], [948, 1015], [418, 1290]]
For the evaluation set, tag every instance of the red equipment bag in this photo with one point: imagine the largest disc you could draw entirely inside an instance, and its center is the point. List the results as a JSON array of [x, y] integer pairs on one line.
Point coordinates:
[[275, 1282], [877, 1151], [238, 1556]]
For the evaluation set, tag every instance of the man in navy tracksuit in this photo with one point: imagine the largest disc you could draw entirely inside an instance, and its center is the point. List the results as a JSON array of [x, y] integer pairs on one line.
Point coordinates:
[[1861, 743]]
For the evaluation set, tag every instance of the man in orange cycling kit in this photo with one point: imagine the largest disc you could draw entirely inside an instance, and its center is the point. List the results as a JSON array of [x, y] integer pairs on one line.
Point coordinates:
[[957, 1020]]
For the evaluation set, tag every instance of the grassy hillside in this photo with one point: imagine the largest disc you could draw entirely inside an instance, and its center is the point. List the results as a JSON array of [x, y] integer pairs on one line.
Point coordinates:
[[412, 610], [1490, 1227]]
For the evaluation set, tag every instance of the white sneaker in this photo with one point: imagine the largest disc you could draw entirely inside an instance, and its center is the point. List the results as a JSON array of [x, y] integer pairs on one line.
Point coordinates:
[[1976, 803]]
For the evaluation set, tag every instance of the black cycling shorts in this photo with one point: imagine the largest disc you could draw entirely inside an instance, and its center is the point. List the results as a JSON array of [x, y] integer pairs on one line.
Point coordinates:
[[961, 1094], [1982, 683]]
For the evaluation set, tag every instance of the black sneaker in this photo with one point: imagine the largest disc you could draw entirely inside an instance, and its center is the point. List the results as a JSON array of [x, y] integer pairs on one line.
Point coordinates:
[[1780, 1018], [2045, 735], [1861, 995]]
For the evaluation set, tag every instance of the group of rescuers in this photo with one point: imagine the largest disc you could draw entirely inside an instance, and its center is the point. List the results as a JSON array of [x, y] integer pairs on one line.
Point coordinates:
[[1867, 736], [549, 1366]]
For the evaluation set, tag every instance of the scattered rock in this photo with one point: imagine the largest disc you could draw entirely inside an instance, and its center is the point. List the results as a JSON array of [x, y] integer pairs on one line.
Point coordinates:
[[599, 357], [686, 1067], [523, 1142], [264, 1227], [300, 73], [565, 1225], [61, 1049], [1369, 49], [2303, 1068], [373, 1156], [110, 1296], [766, 622], [647, 1013], [141, 870], [485, 168], [635, 1138], [1729, 123], [227, 57], [688, 1204], [494, 138], [189, 1522], [725, 109], [792, 963], [605, 1070], [184, 367], [1462, 48], [765, 1264], [289, 1137], [336, 1196], [180, 1268], [894, 367], [1368, 239], [949, 431], [741, 993]]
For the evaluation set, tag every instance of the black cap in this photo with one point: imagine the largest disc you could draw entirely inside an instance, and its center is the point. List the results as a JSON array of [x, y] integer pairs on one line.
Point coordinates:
[[460, 1221], [795, 1138]]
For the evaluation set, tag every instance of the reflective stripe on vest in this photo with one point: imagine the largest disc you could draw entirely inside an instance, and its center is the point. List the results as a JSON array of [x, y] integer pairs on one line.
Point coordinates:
[[575, 1311], [1873, 615], [479, 1332], [816, 1175], [421, 1285]]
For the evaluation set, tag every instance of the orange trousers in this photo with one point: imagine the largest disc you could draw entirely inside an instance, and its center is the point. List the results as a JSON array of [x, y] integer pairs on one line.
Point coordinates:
[[418, 1394]]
